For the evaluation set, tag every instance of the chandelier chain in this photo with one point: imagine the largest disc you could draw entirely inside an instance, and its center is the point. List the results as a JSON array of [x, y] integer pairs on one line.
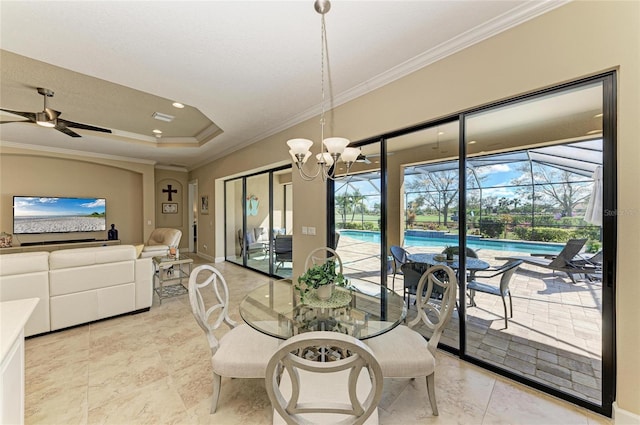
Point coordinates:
[[323, 48], [332, 149]]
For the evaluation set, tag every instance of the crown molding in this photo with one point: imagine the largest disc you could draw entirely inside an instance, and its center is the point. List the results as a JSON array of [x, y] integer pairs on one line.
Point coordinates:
[[85, 154]]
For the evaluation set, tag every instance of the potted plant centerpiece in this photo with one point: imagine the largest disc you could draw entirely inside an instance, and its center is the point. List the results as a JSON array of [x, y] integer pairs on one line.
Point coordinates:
[[320, 278], [450, 251]]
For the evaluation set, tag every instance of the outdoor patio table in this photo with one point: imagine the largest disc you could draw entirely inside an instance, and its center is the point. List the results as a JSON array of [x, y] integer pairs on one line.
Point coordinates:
[[473, 264], [363, 310]]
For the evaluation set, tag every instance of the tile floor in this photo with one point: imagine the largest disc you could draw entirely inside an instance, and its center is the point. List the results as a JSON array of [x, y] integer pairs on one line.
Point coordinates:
[[154, 368]]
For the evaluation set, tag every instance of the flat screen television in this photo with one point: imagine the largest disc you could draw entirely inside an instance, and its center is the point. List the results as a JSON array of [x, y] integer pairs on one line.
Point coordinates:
[[40, 214]]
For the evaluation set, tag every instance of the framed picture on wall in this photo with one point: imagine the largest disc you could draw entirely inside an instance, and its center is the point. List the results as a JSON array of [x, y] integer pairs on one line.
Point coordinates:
[[204, 204], [169, 208]]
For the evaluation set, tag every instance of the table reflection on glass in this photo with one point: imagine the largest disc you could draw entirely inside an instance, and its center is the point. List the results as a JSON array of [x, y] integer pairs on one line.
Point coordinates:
[[363, 311]]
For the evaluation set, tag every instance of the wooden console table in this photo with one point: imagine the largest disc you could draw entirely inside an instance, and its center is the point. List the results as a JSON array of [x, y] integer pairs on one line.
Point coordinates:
[[55, 246]]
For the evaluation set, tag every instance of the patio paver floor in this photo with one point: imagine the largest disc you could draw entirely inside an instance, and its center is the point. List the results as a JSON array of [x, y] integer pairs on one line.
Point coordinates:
[[554, 336]]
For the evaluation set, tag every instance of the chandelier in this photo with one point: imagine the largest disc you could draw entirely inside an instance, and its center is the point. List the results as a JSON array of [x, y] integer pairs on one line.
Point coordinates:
[[333, 149]]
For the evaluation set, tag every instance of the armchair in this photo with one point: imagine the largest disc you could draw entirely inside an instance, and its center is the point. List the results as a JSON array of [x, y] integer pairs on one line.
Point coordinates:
[[159, 242]]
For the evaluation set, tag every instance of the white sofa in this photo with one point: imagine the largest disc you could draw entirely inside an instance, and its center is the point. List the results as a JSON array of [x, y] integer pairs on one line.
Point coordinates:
[[77, 286]]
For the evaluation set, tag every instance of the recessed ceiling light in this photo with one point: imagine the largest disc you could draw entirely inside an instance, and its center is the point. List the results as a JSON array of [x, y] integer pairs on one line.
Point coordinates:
[[472, 142], [598, 115], [178, 105], [594, 131], [155, 130], [440, 133]]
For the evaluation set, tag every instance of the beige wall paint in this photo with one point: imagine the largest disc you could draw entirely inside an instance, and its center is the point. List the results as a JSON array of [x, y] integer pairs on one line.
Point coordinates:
[[178, 181], [127, 187], [576, 40]]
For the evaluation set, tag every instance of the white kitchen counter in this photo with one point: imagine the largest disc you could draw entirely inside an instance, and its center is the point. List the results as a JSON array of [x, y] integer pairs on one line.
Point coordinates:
[[13, 316]]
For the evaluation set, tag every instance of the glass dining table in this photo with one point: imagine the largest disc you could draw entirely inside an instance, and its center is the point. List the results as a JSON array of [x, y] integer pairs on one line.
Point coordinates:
[[362, 310]]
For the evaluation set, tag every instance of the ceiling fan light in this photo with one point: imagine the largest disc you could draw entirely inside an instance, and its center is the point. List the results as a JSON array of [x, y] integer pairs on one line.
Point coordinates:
[[42, 119]]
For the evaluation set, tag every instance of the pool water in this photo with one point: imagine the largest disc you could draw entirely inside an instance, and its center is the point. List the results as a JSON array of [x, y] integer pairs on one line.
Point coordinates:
[[475, 243]]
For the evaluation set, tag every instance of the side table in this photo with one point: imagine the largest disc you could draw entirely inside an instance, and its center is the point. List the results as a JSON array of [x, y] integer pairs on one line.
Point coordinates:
[[169, 269]]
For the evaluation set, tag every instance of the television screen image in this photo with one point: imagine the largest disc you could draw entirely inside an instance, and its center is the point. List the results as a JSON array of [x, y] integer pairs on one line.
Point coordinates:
[[32, 214]]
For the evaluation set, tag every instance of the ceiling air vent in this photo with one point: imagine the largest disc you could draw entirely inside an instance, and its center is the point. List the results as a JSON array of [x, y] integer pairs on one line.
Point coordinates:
[[163, 117]]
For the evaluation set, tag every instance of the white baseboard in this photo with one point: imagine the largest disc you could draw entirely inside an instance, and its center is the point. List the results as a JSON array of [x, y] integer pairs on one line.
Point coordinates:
[[624, 417], [219, 259], [206, 257]]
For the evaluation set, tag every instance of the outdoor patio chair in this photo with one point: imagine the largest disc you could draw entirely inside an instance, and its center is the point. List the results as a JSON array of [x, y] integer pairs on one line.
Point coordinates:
[[591, 262], [404, 352], [456, 251], [400, 257], [254, 241], [324, 377], [283, 250], [412, 273], [563, 262], [505, 272]]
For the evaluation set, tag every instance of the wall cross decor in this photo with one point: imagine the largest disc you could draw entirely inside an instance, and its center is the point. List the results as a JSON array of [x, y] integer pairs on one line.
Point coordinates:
[[170, 191]]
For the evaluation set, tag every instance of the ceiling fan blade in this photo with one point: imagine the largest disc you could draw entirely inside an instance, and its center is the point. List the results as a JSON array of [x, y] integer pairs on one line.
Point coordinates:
[[31, 116], [82, 126], [363, 158], [61, 127], [9, 122]]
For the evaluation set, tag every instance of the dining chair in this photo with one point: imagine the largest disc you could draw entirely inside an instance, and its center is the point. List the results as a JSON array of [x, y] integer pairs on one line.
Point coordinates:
[[400, 257], [505, 272], [242, 352], [324, 377], [322, 255], [405, 353]]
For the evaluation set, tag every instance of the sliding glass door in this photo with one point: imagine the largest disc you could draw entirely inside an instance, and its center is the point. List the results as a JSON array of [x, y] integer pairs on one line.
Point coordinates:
[[259, 211], [533, 166], [512, 188]]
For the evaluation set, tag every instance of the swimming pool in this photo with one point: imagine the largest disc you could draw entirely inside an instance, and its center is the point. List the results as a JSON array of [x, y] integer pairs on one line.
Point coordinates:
[[438, 239]]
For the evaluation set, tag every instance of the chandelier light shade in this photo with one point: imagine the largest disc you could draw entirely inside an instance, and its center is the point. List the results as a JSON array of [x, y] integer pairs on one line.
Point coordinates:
[[333, 149]]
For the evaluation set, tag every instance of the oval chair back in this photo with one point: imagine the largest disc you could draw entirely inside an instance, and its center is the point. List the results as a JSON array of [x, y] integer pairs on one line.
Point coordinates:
[[324, 377], [322, 255]]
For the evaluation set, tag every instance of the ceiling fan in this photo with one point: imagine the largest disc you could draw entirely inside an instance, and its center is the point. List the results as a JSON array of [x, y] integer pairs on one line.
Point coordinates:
[[50, 118]]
